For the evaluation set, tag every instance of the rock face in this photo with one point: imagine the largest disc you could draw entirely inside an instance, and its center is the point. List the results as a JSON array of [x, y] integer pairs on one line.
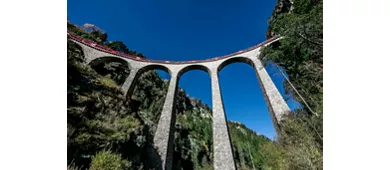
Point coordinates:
[[281, 7], [91, 28]]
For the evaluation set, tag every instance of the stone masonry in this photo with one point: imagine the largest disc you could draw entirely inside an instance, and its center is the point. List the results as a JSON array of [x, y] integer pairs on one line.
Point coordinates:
[[163, 140]]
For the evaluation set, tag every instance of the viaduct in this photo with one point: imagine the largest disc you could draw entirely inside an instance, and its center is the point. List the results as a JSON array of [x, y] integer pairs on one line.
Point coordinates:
[[163, 139]]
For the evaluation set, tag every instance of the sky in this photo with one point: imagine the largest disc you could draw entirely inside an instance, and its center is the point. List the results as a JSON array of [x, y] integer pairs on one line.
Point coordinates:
[[179, 30]]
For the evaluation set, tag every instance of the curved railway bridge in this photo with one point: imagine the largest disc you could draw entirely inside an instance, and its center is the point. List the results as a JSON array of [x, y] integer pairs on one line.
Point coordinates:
[[163, 139]]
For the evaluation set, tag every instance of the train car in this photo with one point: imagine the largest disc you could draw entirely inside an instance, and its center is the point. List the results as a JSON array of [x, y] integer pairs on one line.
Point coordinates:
[[114, 52], [128, 56], [78, 39], [122, 54], [104, 49], [99, 46], [85, 41], [271, 39], [125, 55], [142, 59]]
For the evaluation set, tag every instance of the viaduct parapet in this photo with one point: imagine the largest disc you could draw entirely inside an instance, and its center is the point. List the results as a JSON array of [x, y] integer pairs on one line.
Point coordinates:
[[163, 139]]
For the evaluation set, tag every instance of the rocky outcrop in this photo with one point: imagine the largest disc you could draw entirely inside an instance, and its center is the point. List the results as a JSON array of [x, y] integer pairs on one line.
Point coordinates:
[[91, 28], [282, 6]]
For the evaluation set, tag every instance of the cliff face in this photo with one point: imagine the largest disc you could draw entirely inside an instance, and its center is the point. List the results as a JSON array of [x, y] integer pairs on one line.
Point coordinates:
[[99, 120], [282, 6]]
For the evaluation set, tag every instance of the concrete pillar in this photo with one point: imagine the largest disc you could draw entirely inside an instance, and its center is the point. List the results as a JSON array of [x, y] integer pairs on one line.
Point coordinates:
[[128, 86], [223, 154], [276, 105], [163, 139]]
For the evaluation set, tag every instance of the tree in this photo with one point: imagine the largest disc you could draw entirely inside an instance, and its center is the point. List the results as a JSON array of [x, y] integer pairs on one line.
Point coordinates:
[[118, 46], [300, 55]]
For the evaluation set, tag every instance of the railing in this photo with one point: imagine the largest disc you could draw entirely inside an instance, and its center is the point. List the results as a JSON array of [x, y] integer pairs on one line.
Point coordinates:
[[111, 51]]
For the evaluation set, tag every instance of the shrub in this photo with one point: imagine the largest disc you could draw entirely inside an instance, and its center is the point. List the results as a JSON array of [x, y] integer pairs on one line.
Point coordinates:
[[106, 160]]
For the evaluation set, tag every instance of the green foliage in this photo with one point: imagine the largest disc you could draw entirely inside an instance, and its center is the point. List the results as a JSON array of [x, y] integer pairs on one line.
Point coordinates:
[[301, 57], [119, 46], [272, 156], [193, 136], [119, 131], [106, 160], [95, 36], [300, 52], [301, 138], [247, 146], [99, 37]]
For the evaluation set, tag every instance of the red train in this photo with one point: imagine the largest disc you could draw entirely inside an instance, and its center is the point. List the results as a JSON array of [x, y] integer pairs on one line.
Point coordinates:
[[111, 51]]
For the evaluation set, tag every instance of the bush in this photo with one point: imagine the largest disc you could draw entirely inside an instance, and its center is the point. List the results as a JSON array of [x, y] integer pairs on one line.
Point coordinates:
[[106, 160]]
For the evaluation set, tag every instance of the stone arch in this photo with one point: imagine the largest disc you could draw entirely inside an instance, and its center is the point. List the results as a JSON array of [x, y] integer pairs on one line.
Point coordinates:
[[238, 59], [138, 71], [153, 67], [122, 71], [194, 67], [104, 59]]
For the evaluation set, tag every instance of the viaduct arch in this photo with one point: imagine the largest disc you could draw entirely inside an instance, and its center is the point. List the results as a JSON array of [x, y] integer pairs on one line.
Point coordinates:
[[163, 139]]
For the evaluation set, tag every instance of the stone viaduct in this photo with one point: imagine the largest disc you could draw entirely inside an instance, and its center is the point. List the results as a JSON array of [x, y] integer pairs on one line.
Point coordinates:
[[163, 139]]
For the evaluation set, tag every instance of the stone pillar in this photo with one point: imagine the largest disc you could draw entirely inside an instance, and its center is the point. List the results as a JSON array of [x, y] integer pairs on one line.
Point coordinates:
[[163, 139], [276, 105], [128, 86], [223, 154]]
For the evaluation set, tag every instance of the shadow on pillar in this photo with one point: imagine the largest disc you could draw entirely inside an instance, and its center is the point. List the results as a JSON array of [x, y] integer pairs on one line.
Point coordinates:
[[144, 156], [150, 155]]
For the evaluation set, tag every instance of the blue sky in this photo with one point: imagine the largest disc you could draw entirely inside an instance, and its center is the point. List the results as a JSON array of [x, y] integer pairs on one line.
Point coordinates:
[[193, 30]]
